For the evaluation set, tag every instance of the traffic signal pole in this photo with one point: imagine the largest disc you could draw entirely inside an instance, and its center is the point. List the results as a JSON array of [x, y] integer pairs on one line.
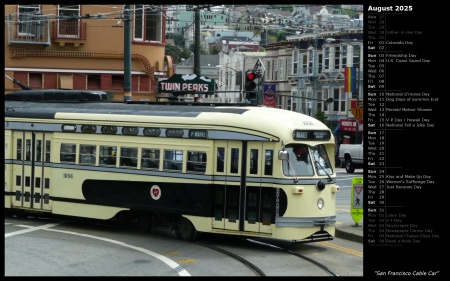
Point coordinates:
[[127, 55], [197, 41]]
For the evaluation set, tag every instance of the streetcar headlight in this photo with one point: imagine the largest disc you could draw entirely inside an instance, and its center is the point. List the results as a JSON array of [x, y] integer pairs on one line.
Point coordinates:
[[320, 203]]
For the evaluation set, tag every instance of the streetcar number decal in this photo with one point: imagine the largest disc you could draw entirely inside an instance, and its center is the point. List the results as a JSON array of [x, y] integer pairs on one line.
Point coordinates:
[[155, 192]]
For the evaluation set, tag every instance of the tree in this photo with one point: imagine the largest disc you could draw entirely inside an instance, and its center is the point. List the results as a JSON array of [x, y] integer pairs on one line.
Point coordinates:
[[281, 35], [320, 115], [177, 53], [215, 50], [178, 38]]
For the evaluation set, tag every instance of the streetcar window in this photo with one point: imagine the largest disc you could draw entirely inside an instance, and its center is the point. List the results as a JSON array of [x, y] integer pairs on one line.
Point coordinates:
[[68, 152], [39, 150], [321, 160], [131, 131], [234, 167], [299, 161], [108, 155], [268, 162], [109, 130], [128, 156], [253, 161], [152, 132], [196, 161], [19, 149], [28, 150], [47, 151], [88, 129], [87, 154], [173, 159], [220, 159], [150, 158]]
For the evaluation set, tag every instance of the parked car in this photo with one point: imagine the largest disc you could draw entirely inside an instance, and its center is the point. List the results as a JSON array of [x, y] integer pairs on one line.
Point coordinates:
[[352, 156]]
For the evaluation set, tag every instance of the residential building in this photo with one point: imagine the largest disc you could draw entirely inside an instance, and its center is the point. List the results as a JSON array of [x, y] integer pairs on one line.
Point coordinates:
[[70, 46]]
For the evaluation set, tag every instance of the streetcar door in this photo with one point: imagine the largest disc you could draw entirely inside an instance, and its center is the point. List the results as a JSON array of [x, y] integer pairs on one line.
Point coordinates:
[[258, 207], [32, 171], [227, 196]]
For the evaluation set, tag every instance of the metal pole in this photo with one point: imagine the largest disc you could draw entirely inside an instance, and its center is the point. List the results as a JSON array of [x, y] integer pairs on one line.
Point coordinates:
[[197, 41], [127, 55], [357, 104], [243, 79]]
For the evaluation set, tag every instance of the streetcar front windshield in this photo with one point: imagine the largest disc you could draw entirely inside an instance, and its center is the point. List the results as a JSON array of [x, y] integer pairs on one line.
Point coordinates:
[[300, 163], [321, 160]]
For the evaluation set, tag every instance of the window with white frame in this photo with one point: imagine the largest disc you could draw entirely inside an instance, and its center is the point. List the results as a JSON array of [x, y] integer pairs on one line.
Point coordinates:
[[320, 101], [282, 73], [344, 57], [326, 59], [26, 23], [356, 55], [304, 64], [337, 56], [320, 65], [342, 101], [295, 63], [147, 23], [311, 62], [275, 70], [336, 101], [69, 27]]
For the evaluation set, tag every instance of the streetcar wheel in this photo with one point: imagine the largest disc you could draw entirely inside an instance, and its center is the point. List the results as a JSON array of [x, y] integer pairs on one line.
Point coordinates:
[[8, 213], [20, 214], [144, 222], [186, 230], [349, 166]]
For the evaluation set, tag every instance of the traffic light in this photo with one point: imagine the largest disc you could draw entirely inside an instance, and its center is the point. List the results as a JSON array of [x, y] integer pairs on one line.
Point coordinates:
[[250, 83]]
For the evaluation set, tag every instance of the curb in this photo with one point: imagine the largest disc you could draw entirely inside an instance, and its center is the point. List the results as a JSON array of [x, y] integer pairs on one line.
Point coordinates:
[[349, 236]]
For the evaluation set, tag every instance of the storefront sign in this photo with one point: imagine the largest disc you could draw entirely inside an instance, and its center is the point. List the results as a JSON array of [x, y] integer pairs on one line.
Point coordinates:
[[185, 83], [346, 125]]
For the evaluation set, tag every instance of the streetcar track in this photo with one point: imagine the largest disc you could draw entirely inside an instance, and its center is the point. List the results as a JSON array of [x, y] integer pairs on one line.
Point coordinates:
[[318, 264], [256, 269], [247, 263]]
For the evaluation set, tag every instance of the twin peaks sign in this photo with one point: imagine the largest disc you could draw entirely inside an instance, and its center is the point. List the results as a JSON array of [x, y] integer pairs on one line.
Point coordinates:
[[186, 83]]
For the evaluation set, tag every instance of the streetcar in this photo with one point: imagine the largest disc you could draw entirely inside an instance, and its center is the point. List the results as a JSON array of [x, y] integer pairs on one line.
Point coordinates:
[[231, 169]]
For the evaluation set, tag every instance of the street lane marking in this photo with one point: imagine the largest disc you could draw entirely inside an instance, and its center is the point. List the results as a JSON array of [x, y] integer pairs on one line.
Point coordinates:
[[30, 229], [175, 266], [343, 249]]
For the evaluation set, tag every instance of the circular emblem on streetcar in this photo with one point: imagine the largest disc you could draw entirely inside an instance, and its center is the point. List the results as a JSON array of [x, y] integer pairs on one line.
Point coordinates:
[[155, 192]]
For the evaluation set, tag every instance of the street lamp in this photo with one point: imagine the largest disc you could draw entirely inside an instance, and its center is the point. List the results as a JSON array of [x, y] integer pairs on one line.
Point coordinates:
[[234, 84]]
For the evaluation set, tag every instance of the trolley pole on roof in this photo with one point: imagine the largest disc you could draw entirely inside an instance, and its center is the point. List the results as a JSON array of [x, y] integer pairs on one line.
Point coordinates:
[[127, 54]]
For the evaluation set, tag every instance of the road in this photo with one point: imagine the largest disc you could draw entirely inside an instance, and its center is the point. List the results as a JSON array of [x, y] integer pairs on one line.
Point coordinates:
[[48, 247]]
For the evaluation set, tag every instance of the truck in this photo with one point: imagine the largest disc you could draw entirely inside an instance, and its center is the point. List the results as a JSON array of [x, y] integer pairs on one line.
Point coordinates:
[[351, 155]]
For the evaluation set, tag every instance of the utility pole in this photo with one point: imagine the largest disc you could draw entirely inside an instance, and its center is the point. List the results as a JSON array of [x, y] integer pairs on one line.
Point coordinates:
[[127, 54], [197, 41]]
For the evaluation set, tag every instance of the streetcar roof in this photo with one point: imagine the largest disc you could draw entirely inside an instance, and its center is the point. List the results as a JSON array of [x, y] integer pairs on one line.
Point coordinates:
[[273, 121]]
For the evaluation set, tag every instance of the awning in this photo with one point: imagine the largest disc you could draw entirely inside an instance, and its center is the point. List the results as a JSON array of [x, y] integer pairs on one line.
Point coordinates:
[[336, 130]]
